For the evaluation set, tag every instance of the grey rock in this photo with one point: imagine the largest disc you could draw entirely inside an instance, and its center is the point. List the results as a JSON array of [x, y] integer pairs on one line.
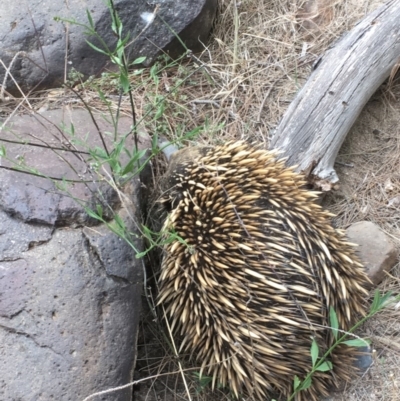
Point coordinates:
[[113, 252], [374, 248], [67, 328], [38, 200], [70, 294], [16, 238], [36, 46], [14, 278]]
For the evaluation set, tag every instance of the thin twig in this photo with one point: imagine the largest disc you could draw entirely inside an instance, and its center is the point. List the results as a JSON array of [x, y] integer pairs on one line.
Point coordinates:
[[44, 176], [44, 146], [8, 73]]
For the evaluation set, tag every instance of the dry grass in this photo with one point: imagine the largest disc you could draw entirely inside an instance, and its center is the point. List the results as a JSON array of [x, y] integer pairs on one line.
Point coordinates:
[[260, 55], [370, 190]]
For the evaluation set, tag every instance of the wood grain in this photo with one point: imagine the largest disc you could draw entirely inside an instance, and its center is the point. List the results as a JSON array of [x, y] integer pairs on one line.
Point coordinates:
[[343, 80]]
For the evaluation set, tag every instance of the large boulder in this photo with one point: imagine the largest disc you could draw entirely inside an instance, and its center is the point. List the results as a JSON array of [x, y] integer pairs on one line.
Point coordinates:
[[38, 49], [70, 290]]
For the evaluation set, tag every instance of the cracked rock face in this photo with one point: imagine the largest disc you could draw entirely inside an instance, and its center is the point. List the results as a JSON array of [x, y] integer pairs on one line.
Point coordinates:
[[39, 49], [69, 289]]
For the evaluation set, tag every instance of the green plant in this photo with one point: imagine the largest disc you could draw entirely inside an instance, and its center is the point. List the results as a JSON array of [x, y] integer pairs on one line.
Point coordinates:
[[202, 382], [321, 363], [114, 161], [102, 157], [158, 101]]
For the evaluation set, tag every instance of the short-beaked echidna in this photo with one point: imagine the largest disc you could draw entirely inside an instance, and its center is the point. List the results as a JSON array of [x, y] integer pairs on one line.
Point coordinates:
[[252, 270]]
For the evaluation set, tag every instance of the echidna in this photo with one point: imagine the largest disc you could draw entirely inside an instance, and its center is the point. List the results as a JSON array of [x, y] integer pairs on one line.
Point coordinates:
[[252, 269]]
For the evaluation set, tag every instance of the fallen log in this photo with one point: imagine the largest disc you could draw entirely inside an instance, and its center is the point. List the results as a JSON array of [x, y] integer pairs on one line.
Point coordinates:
[[316, 123]]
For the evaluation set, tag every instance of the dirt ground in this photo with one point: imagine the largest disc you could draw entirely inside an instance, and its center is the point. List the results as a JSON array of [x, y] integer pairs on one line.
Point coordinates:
[[371, 191], [368, 166], [260, 54]]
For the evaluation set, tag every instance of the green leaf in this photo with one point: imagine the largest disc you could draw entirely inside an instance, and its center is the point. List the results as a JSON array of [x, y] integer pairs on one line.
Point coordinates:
[[334, 322], [119, 222], [98, 153], [306, 383], [376, 301], [102, 96], [160, 110], [99, 210], [130, 165], [116, 24], [314, 352], [116, 60], [72, 129], [296, 383], [154, 143], [115, 166], [92, 213], [141, 254], [119, 147], [3, 150], [139, 60], [125, 84], [324, 367], [90, 19], [153, 73], [193, 134], [120, 49], [96, 48], [386, 300], [357, 342], [380, 301]]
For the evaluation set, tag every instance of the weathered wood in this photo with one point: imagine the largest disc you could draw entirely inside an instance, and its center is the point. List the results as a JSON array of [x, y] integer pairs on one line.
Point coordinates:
[[319, 118]]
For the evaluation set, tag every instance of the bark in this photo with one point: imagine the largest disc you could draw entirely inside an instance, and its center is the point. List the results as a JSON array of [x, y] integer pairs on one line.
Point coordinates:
[[343, 80]]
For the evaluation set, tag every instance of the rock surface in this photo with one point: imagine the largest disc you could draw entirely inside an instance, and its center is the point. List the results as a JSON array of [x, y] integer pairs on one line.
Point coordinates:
[[375, 249], [42, 47], [70, 290]]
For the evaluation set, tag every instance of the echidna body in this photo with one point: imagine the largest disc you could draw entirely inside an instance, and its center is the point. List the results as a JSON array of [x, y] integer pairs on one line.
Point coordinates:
[[252, 270]]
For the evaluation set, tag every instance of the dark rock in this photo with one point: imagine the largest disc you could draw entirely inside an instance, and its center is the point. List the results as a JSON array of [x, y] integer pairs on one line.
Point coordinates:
[[374, 248], [34, 44], [70, 295], [364, 360], [194, 35]]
